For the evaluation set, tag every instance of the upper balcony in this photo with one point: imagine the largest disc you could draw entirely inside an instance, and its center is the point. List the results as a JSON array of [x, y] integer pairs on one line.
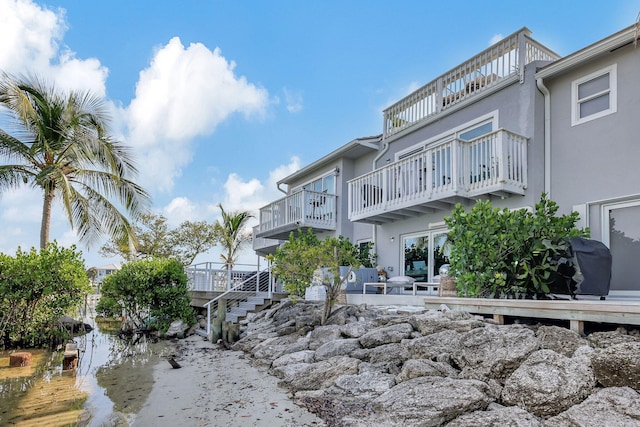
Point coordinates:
[[499, 64], [304, 209], [438, 176]]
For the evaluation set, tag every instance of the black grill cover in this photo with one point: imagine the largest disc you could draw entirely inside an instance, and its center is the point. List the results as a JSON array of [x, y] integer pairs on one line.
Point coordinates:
[[592, 260]]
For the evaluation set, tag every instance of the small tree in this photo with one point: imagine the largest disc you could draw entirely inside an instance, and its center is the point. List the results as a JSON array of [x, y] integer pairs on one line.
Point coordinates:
[[296, 260], [150, 291], [332, 254], [232, 234]]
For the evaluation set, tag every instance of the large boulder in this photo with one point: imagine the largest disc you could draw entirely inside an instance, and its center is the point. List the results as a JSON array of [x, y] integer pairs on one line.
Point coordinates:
[[386, 335], [426, 401], [363, 386], [437, 321], [618, 365], [606, 339], [440, 345], [560, 340], [339, 347], [320, 375], [494, 352], [612, 406], [499, 416], [323, 334], [548, 383], [272, 348], [415, 368], [304, 356]]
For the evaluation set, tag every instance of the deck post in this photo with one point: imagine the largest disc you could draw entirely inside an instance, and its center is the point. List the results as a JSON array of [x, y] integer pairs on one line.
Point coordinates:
[[577, 326], [218, 321], [499, 319]]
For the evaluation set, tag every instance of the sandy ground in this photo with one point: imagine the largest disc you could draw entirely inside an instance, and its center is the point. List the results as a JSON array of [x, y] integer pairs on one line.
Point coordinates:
[[216, 387]]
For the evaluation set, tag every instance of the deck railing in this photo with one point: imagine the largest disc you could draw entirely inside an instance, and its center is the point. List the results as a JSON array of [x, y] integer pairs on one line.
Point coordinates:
[[304, 208], [493, 162], [213, 276], [504, 59]]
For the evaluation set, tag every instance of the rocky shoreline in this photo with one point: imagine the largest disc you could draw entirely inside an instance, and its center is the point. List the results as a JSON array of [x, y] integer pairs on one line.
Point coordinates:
[[392, 367]]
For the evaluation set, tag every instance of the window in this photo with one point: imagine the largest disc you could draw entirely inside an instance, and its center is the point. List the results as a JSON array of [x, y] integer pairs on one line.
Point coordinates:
[[594, 96], [621, 233], [324, 184], [423, 255]]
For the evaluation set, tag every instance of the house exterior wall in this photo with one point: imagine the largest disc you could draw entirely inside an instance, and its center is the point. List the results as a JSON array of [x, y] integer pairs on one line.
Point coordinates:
[[519, 109], [598, 159], [594, 164]]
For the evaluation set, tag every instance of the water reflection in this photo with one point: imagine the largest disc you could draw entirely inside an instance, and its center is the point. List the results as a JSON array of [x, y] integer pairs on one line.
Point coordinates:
[[112, 381]]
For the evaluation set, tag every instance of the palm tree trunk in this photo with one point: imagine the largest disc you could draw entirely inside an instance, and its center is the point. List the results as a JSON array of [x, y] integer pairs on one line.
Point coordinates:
[[46, 218]]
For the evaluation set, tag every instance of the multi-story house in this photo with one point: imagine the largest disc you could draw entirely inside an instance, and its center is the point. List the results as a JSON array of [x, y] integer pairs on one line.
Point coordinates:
[[592, 105], [514, 121]]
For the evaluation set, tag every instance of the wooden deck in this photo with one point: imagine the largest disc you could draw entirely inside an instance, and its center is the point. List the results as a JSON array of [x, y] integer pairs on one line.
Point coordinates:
[[577, 312]]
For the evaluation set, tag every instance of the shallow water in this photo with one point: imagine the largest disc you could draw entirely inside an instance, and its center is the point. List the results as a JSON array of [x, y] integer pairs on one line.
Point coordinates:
[[113, 379]]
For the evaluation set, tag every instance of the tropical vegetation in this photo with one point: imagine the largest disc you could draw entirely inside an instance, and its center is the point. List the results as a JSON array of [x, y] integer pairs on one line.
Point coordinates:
[[150, 294], [232, 234], [295, 262], [501, 252], [58, 142], [36, 290], [156, 240]]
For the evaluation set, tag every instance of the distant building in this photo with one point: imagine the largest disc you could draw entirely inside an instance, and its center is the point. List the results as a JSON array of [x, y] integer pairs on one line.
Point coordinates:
[[103, 272]]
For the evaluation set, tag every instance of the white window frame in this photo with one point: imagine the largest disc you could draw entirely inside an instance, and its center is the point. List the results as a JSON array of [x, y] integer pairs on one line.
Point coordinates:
[[453, 133], [321, 178], [429, 234], [606, 237], [612, 70]]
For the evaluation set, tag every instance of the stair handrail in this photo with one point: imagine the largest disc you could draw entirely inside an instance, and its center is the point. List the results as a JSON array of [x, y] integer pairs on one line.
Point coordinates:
[[240, 295]]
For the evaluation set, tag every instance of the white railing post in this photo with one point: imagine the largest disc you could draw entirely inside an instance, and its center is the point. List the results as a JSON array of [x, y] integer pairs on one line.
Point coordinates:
[[522, 55], [501, 155]]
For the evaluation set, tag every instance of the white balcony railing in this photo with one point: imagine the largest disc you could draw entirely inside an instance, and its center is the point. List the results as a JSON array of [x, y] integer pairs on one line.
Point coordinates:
[[504, 59], [493, 163], [302, 209]]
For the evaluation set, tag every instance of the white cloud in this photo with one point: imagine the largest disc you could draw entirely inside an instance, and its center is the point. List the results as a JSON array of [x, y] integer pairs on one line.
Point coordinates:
[[32, 44], [293, 100], [181, 209], [183, 94], [495, 39]]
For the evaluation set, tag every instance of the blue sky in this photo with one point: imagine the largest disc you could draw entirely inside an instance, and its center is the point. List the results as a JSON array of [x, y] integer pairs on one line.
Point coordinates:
[[220, 99]]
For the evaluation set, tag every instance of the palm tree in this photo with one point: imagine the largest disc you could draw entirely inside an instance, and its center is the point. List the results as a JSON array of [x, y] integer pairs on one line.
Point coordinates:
[[58, 143], [231, 234]]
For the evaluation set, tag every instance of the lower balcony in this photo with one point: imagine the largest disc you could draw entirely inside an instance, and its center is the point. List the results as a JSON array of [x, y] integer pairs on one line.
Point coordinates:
[[302, 210], [438, 177]]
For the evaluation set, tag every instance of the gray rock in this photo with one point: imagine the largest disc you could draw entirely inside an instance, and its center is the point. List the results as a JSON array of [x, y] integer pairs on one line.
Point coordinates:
[[548, 383], [494, 351], [618, 365], [613, 406], [355, 329], [505, 416], [320, 375], [428, 401], [323, 334], [290, 370], [304, 356], [272, 348], [436, 321], [609, 338], [177, 328], [432, 346], [340, 347], [386, 335], [415, 368], [363, 386], [560, 340]]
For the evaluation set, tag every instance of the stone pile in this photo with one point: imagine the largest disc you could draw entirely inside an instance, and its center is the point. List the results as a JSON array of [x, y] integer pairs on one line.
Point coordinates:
[[373, 366]]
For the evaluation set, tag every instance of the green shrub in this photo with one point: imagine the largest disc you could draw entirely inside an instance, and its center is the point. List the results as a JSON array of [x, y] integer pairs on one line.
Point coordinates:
[[150, 291], [108, 307], [496, 253], [36, 289]]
